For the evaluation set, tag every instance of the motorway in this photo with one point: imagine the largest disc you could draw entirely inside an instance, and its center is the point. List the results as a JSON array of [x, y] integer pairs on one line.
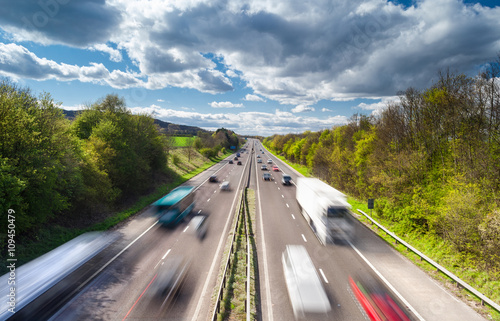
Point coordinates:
[[122, 290]]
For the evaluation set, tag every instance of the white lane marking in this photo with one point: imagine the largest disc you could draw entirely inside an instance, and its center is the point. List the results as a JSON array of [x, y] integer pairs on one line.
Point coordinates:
[[199, 211], [287, 205], [282, 196], [208, 200], [264, 254], [185, 229], [304, 238], [164, 256], [387, 282], [323, 275], [215, 191], [157, 264], [278, 187], [216, 256], [293, 216]]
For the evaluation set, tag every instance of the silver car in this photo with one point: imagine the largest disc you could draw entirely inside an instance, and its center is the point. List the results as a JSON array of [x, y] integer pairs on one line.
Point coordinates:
[[305, 289]]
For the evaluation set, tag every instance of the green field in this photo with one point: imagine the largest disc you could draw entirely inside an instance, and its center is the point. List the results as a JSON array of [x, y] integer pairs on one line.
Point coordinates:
[[182, 141]]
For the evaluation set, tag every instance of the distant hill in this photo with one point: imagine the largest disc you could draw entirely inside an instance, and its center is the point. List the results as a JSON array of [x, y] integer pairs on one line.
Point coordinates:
[[166, 127]]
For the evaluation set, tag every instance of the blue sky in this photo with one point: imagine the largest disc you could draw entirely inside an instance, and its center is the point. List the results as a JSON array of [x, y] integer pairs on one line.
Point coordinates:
[[254, 66]]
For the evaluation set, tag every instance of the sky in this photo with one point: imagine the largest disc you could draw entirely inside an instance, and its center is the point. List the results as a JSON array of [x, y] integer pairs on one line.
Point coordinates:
[[257, 67]]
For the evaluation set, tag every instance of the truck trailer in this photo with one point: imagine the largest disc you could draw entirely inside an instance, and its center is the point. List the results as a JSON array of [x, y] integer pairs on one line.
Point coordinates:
[[325, 209]]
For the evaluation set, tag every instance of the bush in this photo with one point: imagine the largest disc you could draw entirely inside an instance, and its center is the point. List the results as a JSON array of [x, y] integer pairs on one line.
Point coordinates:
[[176, 159]]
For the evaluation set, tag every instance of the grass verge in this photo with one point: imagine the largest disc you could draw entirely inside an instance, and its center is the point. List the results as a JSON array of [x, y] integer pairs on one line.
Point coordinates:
[[52, 236]]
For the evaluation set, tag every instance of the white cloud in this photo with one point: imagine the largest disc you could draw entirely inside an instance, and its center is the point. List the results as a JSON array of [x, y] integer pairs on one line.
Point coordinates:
[[245, 123], [287, 51], [250, 97], [302, 108], [225, 104], [160, 100], [114, 55], [326, 110], [379, 106]]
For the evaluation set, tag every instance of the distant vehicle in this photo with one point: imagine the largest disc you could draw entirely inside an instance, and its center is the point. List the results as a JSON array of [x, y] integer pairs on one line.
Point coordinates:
[[259, 160], [275, 168], [173, 207], [266, 176], [263, 167], [224, 186], [258, 156], [305, 289], [262, 152], [200, 225], [286, 179], [238, 163], [238, 155], [231, 162], [325, 209], [212, 179], [236, 158], [269, 161], [170, 278]]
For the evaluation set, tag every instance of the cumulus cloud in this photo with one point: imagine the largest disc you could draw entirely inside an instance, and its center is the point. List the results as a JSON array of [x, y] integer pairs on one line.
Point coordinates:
[[225, 104], [325, 110], [114, 55], [376, 108], [302, 108], [245, 123], [250, 97], [18, 62], [287, 51]]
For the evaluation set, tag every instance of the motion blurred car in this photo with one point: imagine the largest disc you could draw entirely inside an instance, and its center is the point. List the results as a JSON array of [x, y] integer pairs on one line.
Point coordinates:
[[266, 176], [377, 300], [286, 179], [236, 158], [258, 156], [269, 161], [275, 168], [259, 160], [230, 161], [170, 278], [224, 186], [212, 179], [263, 167], [238, 163], [200, 225], [305, 289]]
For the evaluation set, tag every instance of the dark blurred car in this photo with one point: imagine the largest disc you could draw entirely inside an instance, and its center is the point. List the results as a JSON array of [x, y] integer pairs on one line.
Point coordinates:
[[258, 156], [238, 163], [170, 278], [230, 162], [213, 179], [286, 179], [200, 225], [236, 158], [266, 176]]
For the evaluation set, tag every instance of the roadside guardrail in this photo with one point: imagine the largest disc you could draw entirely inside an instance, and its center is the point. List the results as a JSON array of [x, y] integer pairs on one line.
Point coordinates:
[[438, 267]]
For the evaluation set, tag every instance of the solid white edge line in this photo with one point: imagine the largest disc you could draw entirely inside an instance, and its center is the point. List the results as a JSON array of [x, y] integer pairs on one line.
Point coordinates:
[[387, 282], [323, 275]]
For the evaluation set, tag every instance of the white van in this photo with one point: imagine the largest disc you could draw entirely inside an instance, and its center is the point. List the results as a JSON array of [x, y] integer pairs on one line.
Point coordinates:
[[305, 289]]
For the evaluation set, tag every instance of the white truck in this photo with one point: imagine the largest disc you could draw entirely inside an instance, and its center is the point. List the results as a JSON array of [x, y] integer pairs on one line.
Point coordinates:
[[325, 209]]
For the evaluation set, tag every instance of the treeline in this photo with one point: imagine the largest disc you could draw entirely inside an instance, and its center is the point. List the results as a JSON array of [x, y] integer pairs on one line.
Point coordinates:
[[50, 166], [431, 160], [211, 144]]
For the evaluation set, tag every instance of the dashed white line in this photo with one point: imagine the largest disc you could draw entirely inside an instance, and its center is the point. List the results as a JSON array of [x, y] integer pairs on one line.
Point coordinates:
[[304, 238], [208, 200], [323, 275], [293, 216], [163, 258], [282, 196], [199, 211], [185, 229], [278, 187], [287, 205]]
